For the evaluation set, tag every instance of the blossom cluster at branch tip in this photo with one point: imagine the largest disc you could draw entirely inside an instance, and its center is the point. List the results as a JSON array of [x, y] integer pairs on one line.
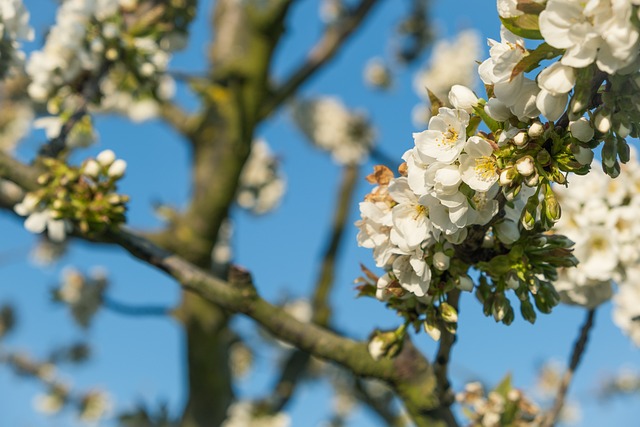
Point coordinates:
[[600, 215], [328, 124], [14, 26], [452, 62], [246, 414], [82, 198], [261, 182], [479, 188], [115, 53], [82, 293]]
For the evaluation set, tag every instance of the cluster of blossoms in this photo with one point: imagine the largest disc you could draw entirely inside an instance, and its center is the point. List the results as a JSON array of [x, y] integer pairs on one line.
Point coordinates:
[[504, 406], [347, 135], [245, 414], [261, 183], [113, 53], [468, 198], [84, 197], [600, 215], [452, 62], [14, 26], [92, 406], [449, 192], [83, 294]]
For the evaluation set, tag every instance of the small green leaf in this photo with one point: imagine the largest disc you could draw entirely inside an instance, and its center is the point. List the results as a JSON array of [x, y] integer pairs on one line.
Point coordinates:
[[525, 26], [436, 103], [533, 59], [504, 387]]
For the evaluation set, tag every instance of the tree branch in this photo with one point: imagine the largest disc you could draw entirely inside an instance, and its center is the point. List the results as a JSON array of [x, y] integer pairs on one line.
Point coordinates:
[[135, 310], [577, 353], [326, 48], [297, 362], [409, 374]]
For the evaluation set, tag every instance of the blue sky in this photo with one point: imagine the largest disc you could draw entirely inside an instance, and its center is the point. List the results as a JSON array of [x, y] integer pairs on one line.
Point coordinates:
[[141, 359]]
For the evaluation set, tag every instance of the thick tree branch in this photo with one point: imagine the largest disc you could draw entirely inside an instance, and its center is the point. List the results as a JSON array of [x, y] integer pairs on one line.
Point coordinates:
[[409, 374], [326, 48], [576, 357]]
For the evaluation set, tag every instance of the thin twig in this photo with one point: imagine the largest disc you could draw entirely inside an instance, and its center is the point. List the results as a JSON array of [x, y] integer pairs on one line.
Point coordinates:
[[333, 38], [326, 278], [576, 356], [90, 90], [443, 355], [298, 361], [135, 310], [381, 406]]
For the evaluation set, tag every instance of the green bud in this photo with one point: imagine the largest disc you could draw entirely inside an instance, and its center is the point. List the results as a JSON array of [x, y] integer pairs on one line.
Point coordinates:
[[500, 307], [448, 313], [543, 158], [431, 326], [552, 207], [527, 311]]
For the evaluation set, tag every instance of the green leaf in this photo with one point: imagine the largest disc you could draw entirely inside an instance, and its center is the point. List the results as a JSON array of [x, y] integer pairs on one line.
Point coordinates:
[[504, 387], [493, 125], [436, 103], [533, 59], [525, 26]]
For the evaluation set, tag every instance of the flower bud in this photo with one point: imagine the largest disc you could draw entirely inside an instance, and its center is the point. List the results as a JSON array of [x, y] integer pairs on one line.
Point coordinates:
[[106, 157], [465, 283], [532, 180], [376, 348], [507, 231], [497, 110], [536, 129], [499, 307], [543, 158], [581, 130], [525, 166], [91, 168], [385, 344], [623, 130], [448, 313], [552, 207], [602, 121], [117, 168], [583, 155], [527, 311], [440, 261], [507, 176], [521, 139], [463, 98], [431, 327]]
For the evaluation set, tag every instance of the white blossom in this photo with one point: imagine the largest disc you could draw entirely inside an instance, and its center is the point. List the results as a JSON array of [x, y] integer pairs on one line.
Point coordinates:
[[244, 414], [598, 31], [261, 183], [478, 166], [328, 124], [445, 138], [451, 63]]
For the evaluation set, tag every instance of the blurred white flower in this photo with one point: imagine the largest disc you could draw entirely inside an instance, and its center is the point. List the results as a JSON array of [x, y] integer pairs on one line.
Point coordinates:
[[347, 135], [261, 183]]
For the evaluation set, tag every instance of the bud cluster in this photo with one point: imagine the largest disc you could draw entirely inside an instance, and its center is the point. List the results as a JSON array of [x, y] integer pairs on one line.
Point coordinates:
[[84, 197]]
